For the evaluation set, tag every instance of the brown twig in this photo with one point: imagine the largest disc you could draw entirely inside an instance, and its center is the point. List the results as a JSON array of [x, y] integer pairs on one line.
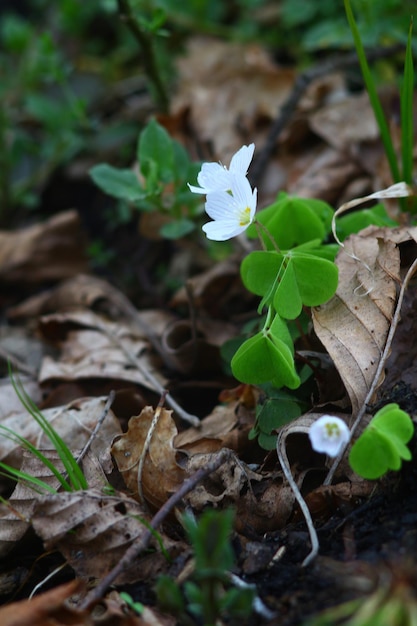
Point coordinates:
[[288, 108], [138, 546]]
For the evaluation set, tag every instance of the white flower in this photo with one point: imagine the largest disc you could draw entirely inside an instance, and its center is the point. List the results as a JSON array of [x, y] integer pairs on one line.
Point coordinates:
[[216, 177], [329, 434], [232, 212]]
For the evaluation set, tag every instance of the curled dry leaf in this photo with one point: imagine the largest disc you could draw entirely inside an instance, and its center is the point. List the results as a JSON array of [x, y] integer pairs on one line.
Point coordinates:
[[47, 609], [353, 326], [93, 531], [161, 475], [50, 251]]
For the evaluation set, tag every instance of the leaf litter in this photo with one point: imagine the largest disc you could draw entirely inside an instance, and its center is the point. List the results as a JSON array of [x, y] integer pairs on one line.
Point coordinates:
[[100, 341]]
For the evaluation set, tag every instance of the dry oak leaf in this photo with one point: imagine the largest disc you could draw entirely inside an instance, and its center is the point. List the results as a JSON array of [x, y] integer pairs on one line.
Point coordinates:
[[93, 531], [53, 250], [353, 326], [47, 609], [161, 475]]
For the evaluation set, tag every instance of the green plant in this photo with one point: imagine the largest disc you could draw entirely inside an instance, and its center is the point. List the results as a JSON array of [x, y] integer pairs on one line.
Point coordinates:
[[137, 607], [209, 596], [381, 447], [159, 186], [406, 99], [73, 480]]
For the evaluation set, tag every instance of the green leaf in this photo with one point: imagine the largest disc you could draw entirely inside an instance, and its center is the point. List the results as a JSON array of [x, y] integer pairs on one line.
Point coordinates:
[[259, 271], [293, 221], [177, 229], [156, 145], [307, 280], [118, 183], [381, 447], [265, 358]]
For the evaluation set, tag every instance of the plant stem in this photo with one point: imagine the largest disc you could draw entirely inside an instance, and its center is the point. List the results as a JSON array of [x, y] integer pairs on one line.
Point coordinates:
[[150, 64]]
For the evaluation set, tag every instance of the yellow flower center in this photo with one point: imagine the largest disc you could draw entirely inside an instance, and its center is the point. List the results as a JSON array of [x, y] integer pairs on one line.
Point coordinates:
[[244, 217], [332, 430]]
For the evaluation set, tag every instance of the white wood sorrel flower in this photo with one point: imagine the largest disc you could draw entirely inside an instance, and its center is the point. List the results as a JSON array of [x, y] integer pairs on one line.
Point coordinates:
[[329, 434], [216, 177], [232, 211]]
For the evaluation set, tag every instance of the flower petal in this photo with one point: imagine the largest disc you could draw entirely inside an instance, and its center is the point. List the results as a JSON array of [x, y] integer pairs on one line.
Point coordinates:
[[222, 230], [220, 205], [241, 160], [329, 434]]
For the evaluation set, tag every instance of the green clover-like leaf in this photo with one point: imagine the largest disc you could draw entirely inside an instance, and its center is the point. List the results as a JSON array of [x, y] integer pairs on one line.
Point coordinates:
[[265, 358], [381, 447]]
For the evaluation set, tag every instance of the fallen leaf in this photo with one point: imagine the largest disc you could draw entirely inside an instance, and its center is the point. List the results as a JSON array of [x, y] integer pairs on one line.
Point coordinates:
[[16, 514], [161, 475], [354, 324], [73, 422], [47, 609], [93, 531], [44, 252]]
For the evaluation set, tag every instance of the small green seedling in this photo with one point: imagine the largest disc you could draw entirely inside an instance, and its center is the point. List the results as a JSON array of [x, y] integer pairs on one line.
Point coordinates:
[[160, 186], [381, 447], [137, 607], [209, 595]]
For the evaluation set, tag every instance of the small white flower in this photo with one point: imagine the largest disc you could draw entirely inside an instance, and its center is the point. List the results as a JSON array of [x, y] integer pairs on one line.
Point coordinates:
[[216, 177], [232, 212], [329, 434]]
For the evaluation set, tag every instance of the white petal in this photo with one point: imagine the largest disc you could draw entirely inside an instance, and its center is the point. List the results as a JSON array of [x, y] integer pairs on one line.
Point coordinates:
[[214, 177], [329, 434], [243, 194], [196, 189], [220, 205], [222, 230], [241, 160]]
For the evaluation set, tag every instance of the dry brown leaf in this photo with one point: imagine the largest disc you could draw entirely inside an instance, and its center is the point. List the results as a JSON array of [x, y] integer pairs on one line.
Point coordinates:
[[161, 475], [346, 122], [96, 348], [93, 531], [50, 251], [354, 324], [215, 426], [222, 84], [15, 518], [47, 609], [73, 422]]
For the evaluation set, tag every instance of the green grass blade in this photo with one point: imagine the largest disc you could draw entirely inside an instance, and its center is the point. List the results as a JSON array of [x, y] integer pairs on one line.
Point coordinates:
[[407, 112], [373, 95], [32, 482], [27, 445], [75, 474]]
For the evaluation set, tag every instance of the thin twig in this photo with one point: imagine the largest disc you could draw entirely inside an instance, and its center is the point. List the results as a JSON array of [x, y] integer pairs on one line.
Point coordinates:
[[138, 546], [289, 107], [97, 427], [283, 459], [378, 373]]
